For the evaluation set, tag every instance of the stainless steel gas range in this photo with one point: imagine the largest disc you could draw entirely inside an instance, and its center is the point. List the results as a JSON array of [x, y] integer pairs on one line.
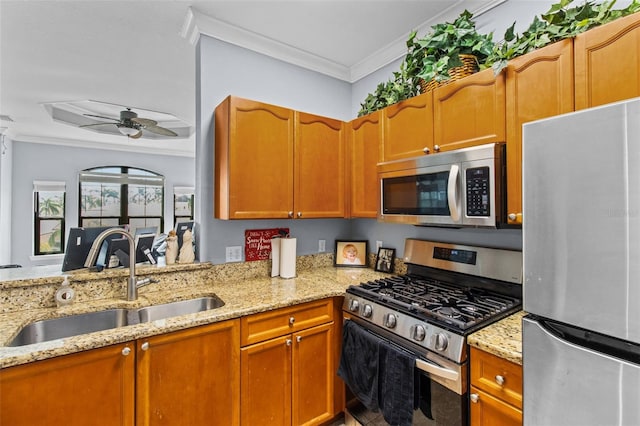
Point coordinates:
[[449, 291]]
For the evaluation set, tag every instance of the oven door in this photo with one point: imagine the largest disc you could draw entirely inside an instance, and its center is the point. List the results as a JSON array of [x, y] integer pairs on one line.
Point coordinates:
[[440, 387]]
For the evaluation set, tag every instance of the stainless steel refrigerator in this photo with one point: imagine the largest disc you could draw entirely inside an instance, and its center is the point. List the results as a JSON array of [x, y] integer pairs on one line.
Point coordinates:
[[581, 249]]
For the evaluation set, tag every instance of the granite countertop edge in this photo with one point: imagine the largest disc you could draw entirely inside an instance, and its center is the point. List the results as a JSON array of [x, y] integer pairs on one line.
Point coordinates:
[[241, 297], [502, 338]]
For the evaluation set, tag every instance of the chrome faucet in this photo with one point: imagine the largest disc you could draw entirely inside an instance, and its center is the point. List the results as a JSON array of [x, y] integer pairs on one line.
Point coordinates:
[[133, 284]]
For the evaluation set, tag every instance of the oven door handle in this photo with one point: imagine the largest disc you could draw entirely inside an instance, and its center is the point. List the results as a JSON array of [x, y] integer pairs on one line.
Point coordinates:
[[436, 370]]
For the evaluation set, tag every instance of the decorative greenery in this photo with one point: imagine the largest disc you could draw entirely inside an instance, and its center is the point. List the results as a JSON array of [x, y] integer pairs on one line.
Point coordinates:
[[558, 23], [397, 89], [433, 55]]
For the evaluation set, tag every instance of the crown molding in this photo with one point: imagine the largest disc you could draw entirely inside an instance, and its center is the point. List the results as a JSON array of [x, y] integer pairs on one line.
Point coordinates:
[[79, 143], [197, 23]]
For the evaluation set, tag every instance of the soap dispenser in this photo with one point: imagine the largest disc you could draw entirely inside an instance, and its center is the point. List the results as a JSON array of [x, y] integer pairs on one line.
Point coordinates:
[[65, 293]]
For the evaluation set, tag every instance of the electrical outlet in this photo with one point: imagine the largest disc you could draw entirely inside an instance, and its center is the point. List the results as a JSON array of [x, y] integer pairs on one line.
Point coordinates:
[[378, 245], [322, 246], [234, 254]]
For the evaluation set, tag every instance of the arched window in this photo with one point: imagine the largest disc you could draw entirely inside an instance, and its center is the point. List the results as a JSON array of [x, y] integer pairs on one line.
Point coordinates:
[[117, 195]]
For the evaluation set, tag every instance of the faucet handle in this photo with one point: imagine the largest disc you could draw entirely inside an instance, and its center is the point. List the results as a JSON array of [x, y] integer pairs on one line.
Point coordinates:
[[145, 281]]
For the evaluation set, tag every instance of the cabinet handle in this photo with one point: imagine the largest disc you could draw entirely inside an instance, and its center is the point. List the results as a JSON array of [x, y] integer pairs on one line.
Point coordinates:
[[436, 148], [426, 150], [474, 397], [500, 380], [290, 214], [299, 339], [299, 215], [515, 217], [145, 346], [291, 320], [288, 342], [126, 350]]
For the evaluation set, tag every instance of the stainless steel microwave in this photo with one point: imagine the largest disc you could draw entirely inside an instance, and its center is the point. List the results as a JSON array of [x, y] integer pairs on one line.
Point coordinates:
[[465, 187]]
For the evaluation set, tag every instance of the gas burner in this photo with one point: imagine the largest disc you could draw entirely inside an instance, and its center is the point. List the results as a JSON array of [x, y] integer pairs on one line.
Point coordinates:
[[449, 312]]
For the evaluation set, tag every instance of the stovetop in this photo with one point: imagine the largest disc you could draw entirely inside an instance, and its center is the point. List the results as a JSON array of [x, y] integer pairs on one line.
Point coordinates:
[[454, 307]]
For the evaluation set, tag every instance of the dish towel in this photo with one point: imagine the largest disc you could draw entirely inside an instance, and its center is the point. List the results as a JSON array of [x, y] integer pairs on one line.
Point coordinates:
[[397, 379], [359, 363]]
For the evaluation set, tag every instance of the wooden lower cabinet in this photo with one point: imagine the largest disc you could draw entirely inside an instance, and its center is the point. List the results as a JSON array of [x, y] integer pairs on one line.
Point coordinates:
[[87, 388], [188, 377], [289, 379], [496, 390]]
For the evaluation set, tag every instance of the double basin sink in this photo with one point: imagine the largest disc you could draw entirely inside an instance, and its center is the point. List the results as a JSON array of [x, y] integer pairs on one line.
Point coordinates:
[[75, 325]]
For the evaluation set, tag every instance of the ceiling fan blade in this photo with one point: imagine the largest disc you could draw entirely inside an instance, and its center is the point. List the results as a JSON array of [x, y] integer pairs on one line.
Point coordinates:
[[160, 130], [101, 116], [144, 121], [137, 135], [97, 124]]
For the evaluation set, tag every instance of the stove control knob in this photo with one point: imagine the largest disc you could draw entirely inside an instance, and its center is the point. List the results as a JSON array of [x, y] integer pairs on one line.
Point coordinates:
[[354, 305], [390, 321], [441, 342], [367, 311], [418, 333]]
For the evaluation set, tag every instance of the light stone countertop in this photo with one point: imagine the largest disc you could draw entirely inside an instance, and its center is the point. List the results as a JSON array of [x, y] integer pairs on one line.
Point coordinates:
[[502, 338], [241, 297]]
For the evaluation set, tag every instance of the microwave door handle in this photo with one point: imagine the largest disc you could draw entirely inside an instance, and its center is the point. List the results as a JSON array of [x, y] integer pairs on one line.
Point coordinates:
[[452, 193]]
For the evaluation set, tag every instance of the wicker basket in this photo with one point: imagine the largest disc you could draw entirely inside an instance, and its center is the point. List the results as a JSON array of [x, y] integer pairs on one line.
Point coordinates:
[[469, 66]]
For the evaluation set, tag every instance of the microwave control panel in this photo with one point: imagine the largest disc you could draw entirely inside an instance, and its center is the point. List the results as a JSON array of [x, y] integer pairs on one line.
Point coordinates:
[[478, 188]]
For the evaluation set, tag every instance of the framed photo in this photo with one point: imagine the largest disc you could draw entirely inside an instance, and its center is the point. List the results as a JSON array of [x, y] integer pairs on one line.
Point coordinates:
[[351, 254], [384, 259]]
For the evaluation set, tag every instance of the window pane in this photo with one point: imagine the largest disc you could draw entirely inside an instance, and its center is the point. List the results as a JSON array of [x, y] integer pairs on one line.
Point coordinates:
[[141, 222], [99, 199], [50, 237], [94, 222], [51, 204], [183, 205], [145, 200]]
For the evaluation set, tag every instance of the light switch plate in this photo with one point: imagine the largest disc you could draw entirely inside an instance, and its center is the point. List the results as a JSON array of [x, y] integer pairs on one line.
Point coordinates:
[[322, 246], [378, 245], [234, 254]]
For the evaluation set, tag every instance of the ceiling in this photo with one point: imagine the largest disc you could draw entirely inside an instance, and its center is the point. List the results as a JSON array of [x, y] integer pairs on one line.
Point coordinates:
[[141, 54]]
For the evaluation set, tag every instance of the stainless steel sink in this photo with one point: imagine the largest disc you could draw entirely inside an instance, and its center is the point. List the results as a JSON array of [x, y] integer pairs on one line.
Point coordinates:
[[174, 309], [75, 325]]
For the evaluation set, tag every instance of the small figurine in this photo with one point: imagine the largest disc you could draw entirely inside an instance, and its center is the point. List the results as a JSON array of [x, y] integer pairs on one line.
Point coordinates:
[[186, 251], [172, 248]]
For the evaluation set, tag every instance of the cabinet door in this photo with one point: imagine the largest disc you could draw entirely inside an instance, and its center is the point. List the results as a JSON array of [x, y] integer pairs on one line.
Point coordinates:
[[266, 382], [407, 128], [362, 186], [313, 375], [538, 85], [190, 377], [469, 111], [254, 160], [607, 63], [319, 167], [489, 411], [72, 390]]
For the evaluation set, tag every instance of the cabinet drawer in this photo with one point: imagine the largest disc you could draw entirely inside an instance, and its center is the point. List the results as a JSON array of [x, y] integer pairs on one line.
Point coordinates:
[[497, 377], [486, 410], [266, 325]]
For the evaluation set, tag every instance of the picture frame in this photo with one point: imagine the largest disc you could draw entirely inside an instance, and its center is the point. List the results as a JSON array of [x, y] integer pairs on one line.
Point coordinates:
[[385, 259], [351, 253]]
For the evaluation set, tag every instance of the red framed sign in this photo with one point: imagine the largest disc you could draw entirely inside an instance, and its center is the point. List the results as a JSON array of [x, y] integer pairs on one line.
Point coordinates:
[[257, 242]]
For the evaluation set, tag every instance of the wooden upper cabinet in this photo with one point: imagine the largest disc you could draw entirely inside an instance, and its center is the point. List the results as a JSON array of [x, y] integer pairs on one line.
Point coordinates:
[[539, 84], [254, 145], [407, 128], [469, 111], [607, 63], [365, 135], [319, 167]]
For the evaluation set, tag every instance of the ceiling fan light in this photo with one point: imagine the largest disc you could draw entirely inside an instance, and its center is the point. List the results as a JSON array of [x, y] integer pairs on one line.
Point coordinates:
[[128, 131]]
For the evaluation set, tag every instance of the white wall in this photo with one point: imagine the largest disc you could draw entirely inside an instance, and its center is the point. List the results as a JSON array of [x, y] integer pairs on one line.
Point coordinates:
[[6, 150], [32, 161]]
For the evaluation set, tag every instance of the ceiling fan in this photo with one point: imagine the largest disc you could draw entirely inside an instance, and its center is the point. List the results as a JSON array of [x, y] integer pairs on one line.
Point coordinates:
[[131, 125]]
